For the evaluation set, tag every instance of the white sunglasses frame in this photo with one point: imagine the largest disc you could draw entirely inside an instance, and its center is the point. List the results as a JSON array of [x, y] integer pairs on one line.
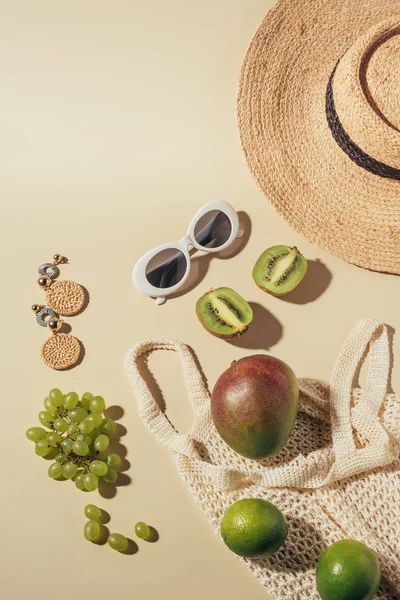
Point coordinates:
[[186, 244]]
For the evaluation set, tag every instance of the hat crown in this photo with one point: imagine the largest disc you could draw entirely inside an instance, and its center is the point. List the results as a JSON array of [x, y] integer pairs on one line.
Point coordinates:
[[381, 77], [366, 92]]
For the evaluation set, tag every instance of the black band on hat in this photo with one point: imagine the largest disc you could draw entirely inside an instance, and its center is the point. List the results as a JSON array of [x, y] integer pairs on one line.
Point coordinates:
[[343, 140]]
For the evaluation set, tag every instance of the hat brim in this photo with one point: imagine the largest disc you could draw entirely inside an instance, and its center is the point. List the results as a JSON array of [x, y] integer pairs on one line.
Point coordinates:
[[289, 148]]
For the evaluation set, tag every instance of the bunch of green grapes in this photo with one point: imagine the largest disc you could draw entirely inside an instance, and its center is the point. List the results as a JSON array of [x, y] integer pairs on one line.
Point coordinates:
[[78, 436]]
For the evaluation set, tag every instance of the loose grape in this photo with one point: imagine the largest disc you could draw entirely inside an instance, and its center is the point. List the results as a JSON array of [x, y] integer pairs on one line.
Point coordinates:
[[34, 434], [117, 541], [60, 424], [82, 437], [113, 460], [91, 531], [80, 481], [71, 400], [101, 443], [42, 448], [53, 438], [91, 482], [60, 457], [142, 530], [92, 512], [56, 397], [108, 426], [86, 426], [97, 404], [85, 400], [45, 418], [80, 448], [66, 445], [49, 407], [69, 470], [72, 428], [95, 418], [55, 470], [77, 414], [111, 476], [98, 467]]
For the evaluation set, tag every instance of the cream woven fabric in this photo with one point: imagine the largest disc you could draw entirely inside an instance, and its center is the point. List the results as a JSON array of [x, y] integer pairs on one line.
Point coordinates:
[[337, 477]]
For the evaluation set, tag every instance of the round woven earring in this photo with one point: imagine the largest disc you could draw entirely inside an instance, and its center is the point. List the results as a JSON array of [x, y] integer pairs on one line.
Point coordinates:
[[66, 298], [62, 350]]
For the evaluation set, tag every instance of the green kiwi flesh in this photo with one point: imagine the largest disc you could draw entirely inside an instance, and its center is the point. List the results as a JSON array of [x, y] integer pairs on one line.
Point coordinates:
[[224, 313], [279, 270]]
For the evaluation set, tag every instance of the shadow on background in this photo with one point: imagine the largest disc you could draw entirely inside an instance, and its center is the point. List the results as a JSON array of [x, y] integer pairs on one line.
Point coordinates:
[[264, 332], [314, 284]]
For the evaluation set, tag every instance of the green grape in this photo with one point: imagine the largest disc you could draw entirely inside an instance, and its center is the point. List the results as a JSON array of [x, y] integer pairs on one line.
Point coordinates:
[[82, 437], [91, 482], [92, 512], [77, 414], [56, 397], [60, 457], [142, 530], [66, 445], [113, 460], [34, 434], [60, 425], [111, 476], [85, 400], [97, 404], [117, 541], [71, 400], [80, 481], [69, 470], [72, 428], [55, 470], [45, 418], [53, 438], [42, 448], [86, 426], [49, 407], [96, 419], [108, 426], [101, 443], [80, 448], [98, 467], [91, 531]]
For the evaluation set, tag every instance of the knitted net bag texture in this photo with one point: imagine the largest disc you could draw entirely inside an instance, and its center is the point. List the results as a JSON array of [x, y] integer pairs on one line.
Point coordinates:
[[336, 478]]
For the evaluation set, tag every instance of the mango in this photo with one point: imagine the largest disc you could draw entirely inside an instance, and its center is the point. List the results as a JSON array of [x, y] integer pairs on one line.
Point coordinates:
[[254, 405]]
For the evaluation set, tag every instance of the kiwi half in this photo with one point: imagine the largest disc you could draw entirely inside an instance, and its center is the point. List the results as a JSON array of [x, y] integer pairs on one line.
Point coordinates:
[[224, 313], [279, 270]]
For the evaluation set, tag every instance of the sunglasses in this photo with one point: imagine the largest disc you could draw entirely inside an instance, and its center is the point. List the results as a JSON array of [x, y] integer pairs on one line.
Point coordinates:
[[163, 270]]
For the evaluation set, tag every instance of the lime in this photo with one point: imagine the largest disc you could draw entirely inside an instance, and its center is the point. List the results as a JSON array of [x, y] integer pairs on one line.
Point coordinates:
[[348, 570], [253, 528]]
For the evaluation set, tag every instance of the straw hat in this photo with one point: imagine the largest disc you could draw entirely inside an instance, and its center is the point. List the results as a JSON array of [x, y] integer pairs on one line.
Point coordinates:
[[319, 119]]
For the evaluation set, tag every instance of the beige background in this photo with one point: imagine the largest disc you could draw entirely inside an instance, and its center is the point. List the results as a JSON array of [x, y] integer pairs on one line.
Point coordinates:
[[117, 123]]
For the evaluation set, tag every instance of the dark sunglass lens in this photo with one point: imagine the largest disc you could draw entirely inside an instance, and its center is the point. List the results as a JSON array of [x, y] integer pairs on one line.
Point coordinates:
[[166, 268], [213, 229]]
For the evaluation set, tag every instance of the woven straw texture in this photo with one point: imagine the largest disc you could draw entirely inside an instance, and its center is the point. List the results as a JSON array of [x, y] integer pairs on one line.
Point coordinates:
[[66, 298], [336, 478], [61, 351], [315, 182]]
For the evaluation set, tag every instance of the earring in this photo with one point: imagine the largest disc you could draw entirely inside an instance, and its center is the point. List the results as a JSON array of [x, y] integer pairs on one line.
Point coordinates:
[[66, 298], [62, 350]]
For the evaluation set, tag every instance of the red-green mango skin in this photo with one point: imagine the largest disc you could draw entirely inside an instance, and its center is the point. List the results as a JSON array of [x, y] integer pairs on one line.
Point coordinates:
[[254, 405]]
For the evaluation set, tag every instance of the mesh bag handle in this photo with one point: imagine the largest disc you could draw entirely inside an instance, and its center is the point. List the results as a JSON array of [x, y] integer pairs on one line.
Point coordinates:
[[320, 467], [153, 416]]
